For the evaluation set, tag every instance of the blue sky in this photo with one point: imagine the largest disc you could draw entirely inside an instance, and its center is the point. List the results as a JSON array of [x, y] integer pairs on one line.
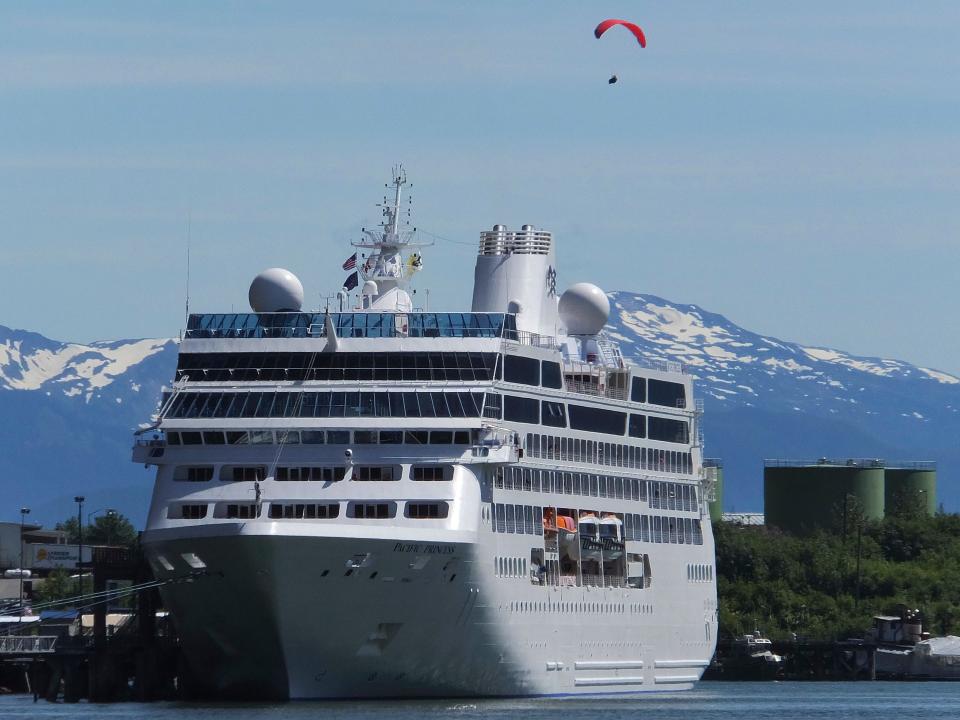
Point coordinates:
[[792, 166]]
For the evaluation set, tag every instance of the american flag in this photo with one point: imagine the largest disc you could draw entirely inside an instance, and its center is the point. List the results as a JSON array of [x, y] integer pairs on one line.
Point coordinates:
[[350, 263]]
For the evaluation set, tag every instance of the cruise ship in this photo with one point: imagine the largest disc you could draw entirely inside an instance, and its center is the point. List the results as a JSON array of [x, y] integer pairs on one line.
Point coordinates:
[[376, 500]]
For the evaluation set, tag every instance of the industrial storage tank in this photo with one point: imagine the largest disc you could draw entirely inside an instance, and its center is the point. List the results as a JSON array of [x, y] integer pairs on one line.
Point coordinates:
[[800, 496], [713, 466], [911, 487]]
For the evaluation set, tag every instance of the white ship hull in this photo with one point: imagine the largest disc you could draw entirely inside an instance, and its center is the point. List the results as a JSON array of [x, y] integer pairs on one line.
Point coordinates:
[[284, 617]]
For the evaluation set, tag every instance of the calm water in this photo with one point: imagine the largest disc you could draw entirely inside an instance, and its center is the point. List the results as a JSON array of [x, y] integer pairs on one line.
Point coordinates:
[[710, 701]]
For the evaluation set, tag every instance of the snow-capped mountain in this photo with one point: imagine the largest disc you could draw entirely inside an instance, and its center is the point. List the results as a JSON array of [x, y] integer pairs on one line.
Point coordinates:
[[765, 397], [67, 411]]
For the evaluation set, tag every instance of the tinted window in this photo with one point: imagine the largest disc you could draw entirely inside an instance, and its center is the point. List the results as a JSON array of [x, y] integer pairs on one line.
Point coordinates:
[[638, 389], [668, 430], [553, 414], [597, 419], [670, 394], [550, 375], [239, 367], [524, 370], [521, 409], [638, 426]]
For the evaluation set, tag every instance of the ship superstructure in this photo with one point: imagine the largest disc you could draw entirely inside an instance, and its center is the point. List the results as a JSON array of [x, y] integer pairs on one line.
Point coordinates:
[[388, 502]]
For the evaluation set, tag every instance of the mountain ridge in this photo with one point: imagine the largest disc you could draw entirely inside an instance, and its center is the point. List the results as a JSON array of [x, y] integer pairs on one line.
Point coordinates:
[[68, 409]]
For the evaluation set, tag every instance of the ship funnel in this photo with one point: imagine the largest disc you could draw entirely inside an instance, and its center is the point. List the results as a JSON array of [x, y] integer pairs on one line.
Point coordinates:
[[516, 272]]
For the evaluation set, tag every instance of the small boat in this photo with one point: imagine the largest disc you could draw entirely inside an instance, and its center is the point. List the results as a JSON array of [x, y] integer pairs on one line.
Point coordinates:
[[591, 546], [567, 531], [611, 535]]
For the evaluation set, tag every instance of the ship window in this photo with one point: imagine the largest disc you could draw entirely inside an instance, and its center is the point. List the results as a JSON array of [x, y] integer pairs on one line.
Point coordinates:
[[365, 437], [374, 473], [638, 426], [173, 438], [424, 511], [441, 437], [638, 390], [338, 437], [191, 438], [213, 438], [511, 525], [553, 414], [522, 370], [500, 518], [312, 437], [550, 375], [187, 512], [521, 409], [667, 430], [243, 473], [372, 511], [199, 473], [288, 437], [261, 437], [304, 511], [431, 472], [391, 437], [416, 437], [597, 420], [245, 511]]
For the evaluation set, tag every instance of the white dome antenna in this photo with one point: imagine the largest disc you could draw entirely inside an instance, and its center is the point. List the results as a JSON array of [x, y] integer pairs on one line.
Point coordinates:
[[276, 290], [584, 309]]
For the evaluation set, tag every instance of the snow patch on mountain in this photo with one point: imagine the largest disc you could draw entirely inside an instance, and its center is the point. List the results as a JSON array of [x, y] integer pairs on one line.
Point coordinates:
[[31, 362]]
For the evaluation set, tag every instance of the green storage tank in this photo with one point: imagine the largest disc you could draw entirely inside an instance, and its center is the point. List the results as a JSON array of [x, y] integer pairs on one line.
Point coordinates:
[[911, 487], [802, 496], [716, 505]]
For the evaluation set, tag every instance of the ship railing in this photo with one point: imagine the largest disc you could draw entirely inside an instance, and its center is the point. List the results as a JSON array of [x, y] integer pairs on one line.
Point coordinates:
[[525, 337], [850, 462], [587, 387], [27, 644], [595, 580], [349, 325]]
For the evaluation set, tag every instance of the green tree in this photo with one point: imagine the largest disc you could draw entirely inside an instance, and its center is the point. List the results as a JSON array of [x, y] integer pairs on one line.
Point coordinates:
[[110, 528]]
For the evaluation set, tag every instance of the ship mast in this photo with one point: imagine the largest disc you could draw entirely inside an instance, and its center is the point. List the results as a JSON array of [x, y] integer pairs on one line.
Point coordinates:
[[390, 264]]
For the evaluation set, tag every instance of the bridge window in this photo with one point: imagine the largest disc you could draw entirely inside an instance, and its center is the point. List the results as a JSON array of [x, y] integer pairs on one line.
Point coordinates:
[[553, 414], [583, 417], [521, 409], [668, 430], [551, 375], [638, 390], [669, 394], [522, 370]]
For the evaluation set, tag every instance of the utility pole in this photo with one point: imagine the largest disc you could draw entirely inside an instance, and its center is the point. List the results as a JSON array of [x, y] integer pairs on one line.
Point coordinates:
[[24, 511]]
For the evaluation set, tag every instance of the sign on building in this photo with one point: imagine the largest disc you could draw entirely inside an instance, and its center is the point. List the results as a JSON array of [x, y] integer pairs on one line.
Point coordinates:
[[48, 556]]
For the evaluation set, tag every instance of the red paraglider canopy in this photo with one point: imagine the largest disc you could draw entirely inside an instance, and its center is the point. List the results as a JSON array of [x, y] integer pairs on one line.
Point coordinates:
[[632, 27]]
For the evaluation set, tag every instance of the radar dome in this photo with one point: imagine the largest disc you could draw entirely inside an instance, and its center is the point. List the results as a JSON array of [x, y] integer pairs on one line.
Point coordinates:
[[276, 290], [584, 309]]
